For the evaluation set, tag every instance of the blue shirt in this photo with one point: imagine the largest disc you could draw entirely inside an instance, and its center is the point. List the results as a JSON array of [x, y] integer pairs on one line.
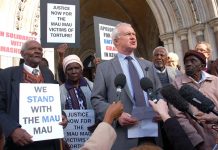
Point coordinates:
[[124, 66]]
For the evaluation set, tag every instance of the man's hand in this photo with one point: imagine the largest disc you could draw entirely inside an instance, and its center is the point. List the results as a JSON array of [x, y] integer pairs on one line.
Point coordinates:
[[21, 137], [125, 119], [64, 121], [113, 112]]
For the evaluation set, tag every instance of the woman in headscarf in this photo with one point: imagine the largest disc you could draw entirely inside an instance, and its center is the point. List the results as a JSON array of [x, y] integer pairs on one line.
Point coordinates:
[[76, 91]]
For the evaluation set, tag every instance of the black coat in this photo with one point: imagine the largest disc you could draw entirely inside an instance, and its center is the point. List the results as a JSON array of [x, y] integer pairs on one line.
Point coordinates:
[[177, 136], [9, 107]]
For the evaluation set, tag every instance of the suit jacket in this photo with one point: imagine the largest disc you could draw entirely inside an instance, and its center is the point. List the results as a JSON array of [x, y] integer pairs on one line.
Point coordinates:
[[104, 93], [172, 73], [9, 98], [102, 138]]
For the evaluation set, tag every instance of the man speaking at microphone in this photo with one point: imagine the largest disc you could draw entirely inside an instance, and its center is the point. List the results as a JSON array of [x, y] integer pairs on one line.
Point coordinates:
[[201, 137], [132, 96]]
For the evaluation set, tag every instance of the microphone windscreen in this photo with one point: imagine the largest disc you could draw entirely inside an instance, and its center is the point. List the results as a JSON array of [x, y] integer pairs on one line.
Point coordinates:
[[171, 94], [146, 84], [120, 80], [196, 98]]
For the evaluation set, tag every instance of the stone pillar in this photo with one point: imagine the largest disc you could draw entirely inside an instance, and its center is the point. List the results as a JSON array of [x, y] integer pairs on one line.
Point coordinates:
[[214, 24], [168, 41], [183, 33], [198, 29]]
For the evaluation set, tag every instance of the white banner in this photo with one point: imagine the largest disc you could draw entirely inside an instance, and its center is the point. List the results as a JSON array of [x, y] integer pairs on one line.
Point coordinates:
[[11, 42], [40, 111], [76, 132]]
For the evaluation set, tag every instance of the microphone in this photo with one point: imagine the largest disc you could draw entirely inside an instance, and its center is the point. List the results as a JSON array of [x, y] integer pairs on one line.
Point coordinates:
[[147, 86], [171, 94], [197, 99], [119, 82]]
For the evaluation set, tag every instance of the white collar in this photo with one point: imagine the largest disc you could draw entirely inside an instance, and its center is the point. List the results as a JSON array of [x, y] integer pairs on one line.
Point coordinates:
[[29, 69], [204, 76], [158, 71]]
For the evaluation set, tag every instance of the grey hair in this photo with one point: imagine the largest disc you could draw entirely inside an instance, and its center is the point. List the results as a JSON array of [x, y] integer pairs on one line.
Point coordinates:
[[173, 55], [115, 33], [160, 47], [24, 45]]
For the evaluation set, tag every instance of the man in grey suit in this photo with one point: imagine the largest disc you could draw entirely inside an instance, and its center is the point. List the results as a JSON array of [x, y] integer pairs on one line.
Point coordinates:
[[104, 90]]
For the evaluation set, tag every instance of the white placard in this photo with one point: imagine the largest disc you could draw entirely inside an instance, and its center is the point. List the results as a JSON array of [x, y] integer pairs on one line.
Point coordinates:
[[40, 111], [108, 50], [76, 132], [60, 23]]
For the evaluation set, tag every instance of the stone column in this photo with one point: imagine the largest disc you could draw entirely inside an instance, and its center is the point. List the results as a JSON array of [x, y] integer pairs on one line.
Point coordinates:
[[214, 24], [183, 33], [198, 29], [168, 41]]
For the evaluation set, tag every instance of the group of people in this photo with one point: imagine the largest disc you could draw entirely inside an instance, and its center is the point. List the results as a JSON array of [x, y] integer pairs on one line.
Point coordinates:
[[121, 117]]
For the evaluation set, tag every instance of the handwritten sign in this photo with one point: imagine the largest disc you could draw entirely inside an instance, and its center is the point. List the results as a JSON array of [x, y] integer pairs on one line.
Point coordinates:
[[76, 132], [40, 111]]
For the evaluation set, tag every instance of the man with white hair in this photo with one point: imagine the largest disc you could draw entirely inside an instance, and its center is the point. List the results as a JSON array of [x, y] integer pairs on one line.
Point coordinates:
[[165, 73], [30, 71], [132, 96]]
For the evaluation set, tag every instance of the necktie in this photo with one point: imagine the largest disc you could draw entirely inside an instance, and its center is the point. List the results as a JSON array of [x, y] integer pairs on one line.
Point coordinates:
[[135, 81], [35, 72]]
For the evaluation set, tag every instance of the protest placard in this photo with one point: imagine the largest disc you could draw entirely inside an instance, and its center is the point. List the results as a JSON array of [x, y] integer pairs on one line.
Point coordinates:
[[60, 22], [11, 42], [105, 48], [40, 111], [76, 132]]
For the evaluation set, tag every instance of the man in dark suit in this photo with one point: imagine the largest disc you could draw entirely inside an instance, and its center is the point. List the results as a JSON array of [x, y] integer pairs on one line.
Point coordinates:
[[104, 90], [29, 72]]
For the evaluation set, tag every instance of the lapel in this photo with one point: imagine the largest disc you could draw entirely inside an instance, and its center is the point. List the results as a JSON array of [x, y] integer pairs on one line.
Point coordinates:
[[17, 77], [45, 74], [117, 68], [144, 67]]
